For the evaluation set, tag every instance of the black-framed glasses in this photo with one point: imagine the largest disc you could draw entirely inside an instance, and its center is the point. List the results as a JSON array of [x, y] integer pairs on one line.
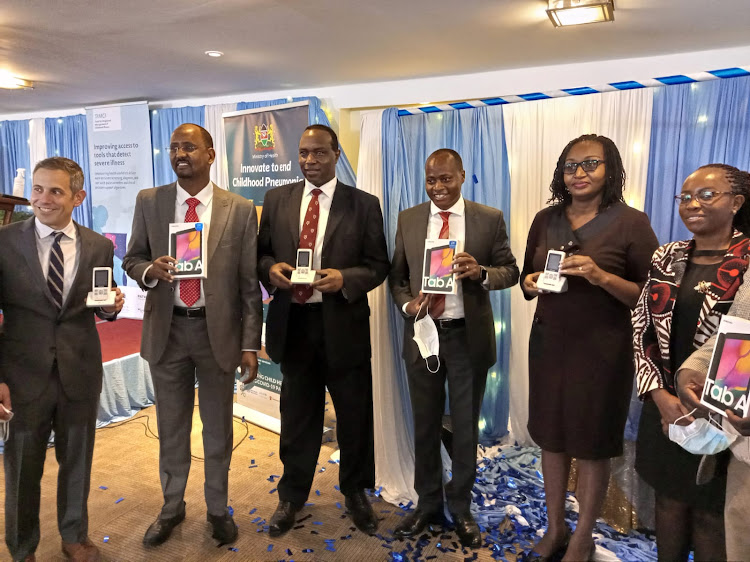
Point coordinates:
[[570, 168], [707, 196], [187, 148]]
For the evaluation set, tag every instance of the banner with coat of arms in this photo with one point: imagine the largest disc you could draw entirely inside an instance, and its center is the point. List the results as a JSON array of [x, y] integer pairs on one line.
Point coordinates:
[[262, 146]]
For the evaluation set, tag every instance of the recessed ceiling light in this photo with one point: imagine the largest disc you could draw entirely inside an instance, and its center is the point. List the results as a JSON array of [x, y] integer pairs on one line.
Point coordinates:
[[10, 82], [576, 12], [215, 54]]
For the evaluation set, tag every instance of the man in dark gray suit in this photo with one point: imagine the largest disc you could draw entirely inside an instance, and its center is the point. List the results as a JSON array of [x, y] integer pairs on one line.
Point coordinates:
[[200, 328], [50, 358], [320, 333], [466, 336]]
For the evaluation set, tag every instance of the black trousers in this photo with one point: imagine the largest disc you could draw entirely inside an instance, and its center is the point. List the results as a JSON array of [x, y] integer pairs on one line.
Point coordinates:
[[307, 373], [74, 423], [466, 384]]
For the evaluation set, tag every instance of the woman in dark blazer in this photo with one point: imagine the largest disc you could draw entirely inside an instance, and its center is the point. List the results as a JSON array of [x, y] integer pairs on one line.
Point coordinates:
[[580, 351], [692, 283]]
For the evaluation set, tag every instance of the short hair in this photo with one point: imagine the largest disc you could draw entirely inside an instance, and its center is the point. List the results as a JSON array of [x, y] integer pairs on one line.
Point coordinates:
[[207, 138], [447, 152], [70, 167], [614, 182], [327, 129], [739, 183]]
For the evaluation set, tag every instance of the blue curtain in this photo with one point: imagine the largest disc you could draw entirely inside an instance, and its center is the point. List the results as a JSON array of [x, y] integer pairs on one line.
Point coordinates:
[[693, 125], [68, 137], [163, 122], [478, 135], [316, 116], [14, 154]]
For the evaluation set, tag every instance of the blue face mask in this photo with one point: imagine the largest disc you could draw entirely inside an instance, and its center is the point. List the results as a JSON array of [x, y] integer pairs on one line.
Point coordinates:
[[701, 437]]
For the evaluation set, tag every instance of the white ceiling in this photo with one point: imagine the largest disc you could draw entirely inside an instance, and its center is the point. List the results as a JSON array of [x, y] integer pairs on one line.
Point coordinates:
[[86, 52]]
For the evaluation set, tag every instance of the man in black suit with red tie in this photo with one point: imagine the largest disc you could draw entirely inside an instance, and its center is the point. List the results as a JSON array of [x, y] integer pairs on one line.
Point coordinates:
[[320, 333]]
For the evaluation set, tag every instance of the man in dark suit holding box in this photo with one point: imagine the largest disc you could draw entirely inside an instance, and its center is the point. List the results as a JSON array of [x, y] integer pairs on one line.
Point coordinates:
[[320, 333], [465, 331]]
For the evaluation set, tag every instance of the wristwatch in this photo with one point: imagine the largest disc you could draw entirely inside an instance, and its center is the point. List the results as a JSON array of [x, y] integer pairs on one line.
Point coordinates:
[[483, 273]]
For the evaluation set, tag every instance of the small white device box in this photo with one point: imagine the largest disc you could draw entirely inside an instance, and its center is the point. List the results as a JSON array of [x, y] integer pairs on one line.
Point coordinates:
[[304, 274], [101, 288], [550, 279]]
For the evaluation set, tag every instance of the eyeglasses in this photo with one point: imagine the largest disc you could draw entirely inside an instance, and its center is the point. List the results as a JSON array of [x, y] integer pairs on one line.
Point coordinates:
[[570, 168], [706, 196], [187, 148]]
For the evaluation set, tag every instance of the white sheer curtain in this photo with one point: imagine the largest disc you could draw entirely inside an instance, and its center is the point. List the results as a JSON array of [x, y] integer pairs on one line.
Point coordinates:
[[394, 447], [215, 125], [37, 144], [536, 133]]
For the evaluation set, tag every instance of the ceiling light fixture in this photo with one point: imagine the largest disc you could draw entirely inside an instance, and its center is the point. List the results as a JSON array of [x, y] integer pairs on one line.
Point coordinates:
[[576, 12], [10, 82], [215, 54]]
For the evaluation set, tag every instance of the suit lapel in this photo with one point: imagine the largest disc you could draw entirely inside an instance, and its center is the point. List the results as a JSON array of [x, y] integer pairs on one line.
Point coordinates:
[[30, 252], [219, 215], [471, 224], [293, 211], [165, 205], [415, 232], [85, 251], [339, 208]]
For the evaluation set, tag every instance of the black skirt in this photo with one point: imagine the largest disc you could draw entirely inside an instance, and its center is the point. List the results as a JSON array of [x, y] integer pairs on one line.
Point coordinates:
[[671, 470]]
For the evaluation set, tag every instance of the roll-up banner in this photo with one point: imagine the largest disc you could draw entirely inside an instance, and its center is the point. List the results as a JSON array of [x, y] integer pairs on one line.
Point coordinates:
[[121, 165], [262, 149]]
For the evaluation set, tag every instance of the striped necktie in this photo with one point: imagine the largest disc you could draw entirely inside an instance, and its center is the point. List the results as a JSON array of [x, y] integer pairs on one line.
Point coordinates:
[[56, 270]]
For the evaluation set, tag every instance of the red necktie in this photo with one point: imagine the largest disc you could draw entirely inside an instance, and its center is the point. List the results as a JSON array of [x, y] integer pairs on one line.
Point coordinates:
[[307, 241], [437, 302], [190, 289]]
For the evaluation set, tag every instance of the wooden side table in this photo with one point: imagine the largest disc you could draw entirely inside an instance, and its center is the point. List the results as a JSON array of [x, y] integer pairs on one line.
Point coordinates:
[[8, 203]]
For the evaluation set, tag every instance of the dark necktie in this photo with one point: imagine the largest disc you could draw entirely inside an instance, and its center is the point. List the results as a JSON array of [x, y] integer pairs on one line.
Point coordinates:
[[190, 289], [437, 302], [56, 270], [307, 241]]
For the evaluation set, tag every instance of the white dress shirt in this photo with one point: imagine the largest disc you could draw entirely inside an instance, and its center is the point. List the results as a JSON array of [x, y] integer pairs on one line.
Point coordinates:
[[69, 245], [454, 304], [324, 204], [203, 210], [206, 198]]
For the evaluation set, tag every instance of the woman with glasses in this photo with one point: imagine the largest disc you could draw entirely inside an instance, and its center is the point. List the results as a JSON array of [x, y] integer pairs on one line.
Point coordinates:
[[691, 285], [580, 347]]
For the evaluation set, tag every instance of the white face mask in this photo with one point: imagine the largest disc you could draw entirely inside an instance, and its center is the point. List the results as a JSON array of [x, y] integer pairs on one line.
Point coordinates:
[[426, 338], [701, 437], [5, 424]]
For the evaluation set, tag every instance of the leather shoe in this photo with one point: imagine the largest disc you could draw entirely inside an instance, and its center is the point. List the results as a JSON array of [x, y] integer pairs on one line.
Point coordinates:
[[361, 512], [467, 530], [414, 523], [80, 551], [282, 519], [224, 529], [160, 530]]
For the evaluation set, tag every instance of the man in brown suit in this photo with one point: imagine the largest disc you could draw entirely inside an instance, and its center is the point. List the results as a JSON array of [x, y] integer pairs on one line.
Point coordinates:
[[196, 328]]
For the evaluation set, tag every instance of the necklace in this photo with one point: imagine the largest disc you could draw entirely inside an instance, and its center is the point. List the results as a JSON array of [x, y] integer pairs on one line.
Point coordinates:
[[708, 253]]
